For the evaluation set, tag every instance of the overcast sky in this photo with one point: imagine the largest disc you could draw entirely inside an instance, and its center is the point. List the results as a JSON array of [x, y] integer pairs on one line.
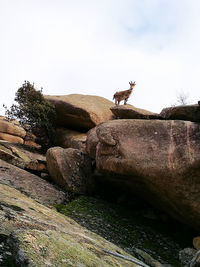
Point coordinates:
[[97, 46]]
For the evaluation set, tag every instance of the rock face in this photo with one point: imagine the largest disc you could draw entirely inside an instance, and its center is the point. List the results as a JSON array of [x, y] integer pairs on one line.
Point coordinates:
[[29, 140], [81, 112], [39, 236], [159, 160], [66, 138], [22, 156], [196, 242], [70, 168], [12, 132], [11, 138], [11, 128], [91, 143], [131, 112], [186, 255], [187, 113], [30, 184]]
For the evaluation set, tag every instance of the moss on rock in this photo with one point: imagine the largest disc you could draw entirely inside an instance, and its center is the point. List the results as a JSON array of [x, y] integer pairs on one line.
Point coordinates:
[[40, 236], [128, 229]]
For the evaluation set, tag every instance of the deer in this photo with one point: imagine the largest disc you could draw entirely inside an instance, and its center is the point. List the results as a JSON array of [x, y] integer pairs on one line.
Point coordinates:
[[123, 95]]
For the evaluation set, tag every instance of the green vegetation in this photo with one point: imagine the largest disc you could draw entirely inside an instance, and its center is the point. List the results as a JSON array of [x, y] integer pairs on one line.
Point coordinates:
[[56, 249], [34, 113], [128, 230], [35, 235]]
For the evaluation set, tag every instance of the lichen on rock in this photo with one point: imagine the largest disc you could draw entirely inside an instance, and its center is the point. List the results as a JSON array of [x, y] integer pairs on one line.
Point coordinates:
[[39, 236]]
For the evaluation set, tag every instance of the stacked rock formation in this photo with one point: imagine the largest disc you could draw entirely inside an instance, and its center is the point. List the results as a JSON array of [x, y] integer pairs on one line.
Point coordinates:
[[152, 155], [12, 132]]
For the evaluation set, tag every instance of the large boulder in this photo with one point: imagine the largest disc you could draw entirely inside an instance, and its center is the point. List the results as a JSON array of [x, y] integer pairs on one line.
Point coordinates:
[[80, 112], [70, 168], [159, 160], [184, 112], [66, 138], [131, 112]]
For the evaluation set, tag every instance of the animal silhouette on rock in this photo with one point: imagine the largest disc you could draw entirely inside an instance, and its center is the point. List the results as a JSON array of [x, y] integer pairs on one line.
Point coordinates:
[[123, 95]]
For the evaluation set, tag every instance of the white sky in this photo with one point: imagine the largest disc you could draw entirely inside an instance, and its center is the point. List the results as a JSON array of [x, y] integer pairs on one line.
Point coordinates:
[[97, 46]]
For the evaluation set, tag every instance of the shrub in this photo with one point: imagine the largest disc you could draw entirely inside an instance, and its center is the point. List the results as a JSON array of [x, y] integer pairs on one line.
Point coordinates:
[[34, 113]]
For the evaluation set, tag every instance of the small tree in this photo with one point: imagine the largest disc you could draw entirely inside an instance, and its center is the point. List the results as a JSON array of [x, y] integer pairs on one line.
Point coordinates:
[[182, 98], [34, 112]]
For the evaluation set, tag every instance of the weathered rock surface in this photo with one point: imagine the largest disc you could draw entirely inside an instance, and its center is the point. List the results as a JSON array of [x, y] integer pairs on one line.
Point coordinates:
[[186, 112], [81, 112], [91, 143], [11, 131], [186, 255], [22, 156], [196, 242], [30, 184], [39, 236], [32, 144], [131, 112], [159, 160], [11, 138], [30, 139], [66, 138], [70, 168], [11, 128]]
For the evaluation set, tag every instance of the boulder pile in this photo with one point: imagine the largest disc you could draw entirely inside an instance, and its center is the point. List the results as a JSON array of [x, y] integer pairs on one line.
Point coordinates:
[[155, 156], [12, 132]]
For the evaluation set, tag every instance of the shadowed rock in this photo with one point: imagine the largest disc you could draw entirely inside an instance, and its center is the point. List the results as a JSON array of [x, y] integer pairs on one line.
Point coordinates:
[[186, 255], [91, 143], [159, 160], [66, 138], [70, 168], [187, 113], [30, 139], [131, 112], [196, 242]]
